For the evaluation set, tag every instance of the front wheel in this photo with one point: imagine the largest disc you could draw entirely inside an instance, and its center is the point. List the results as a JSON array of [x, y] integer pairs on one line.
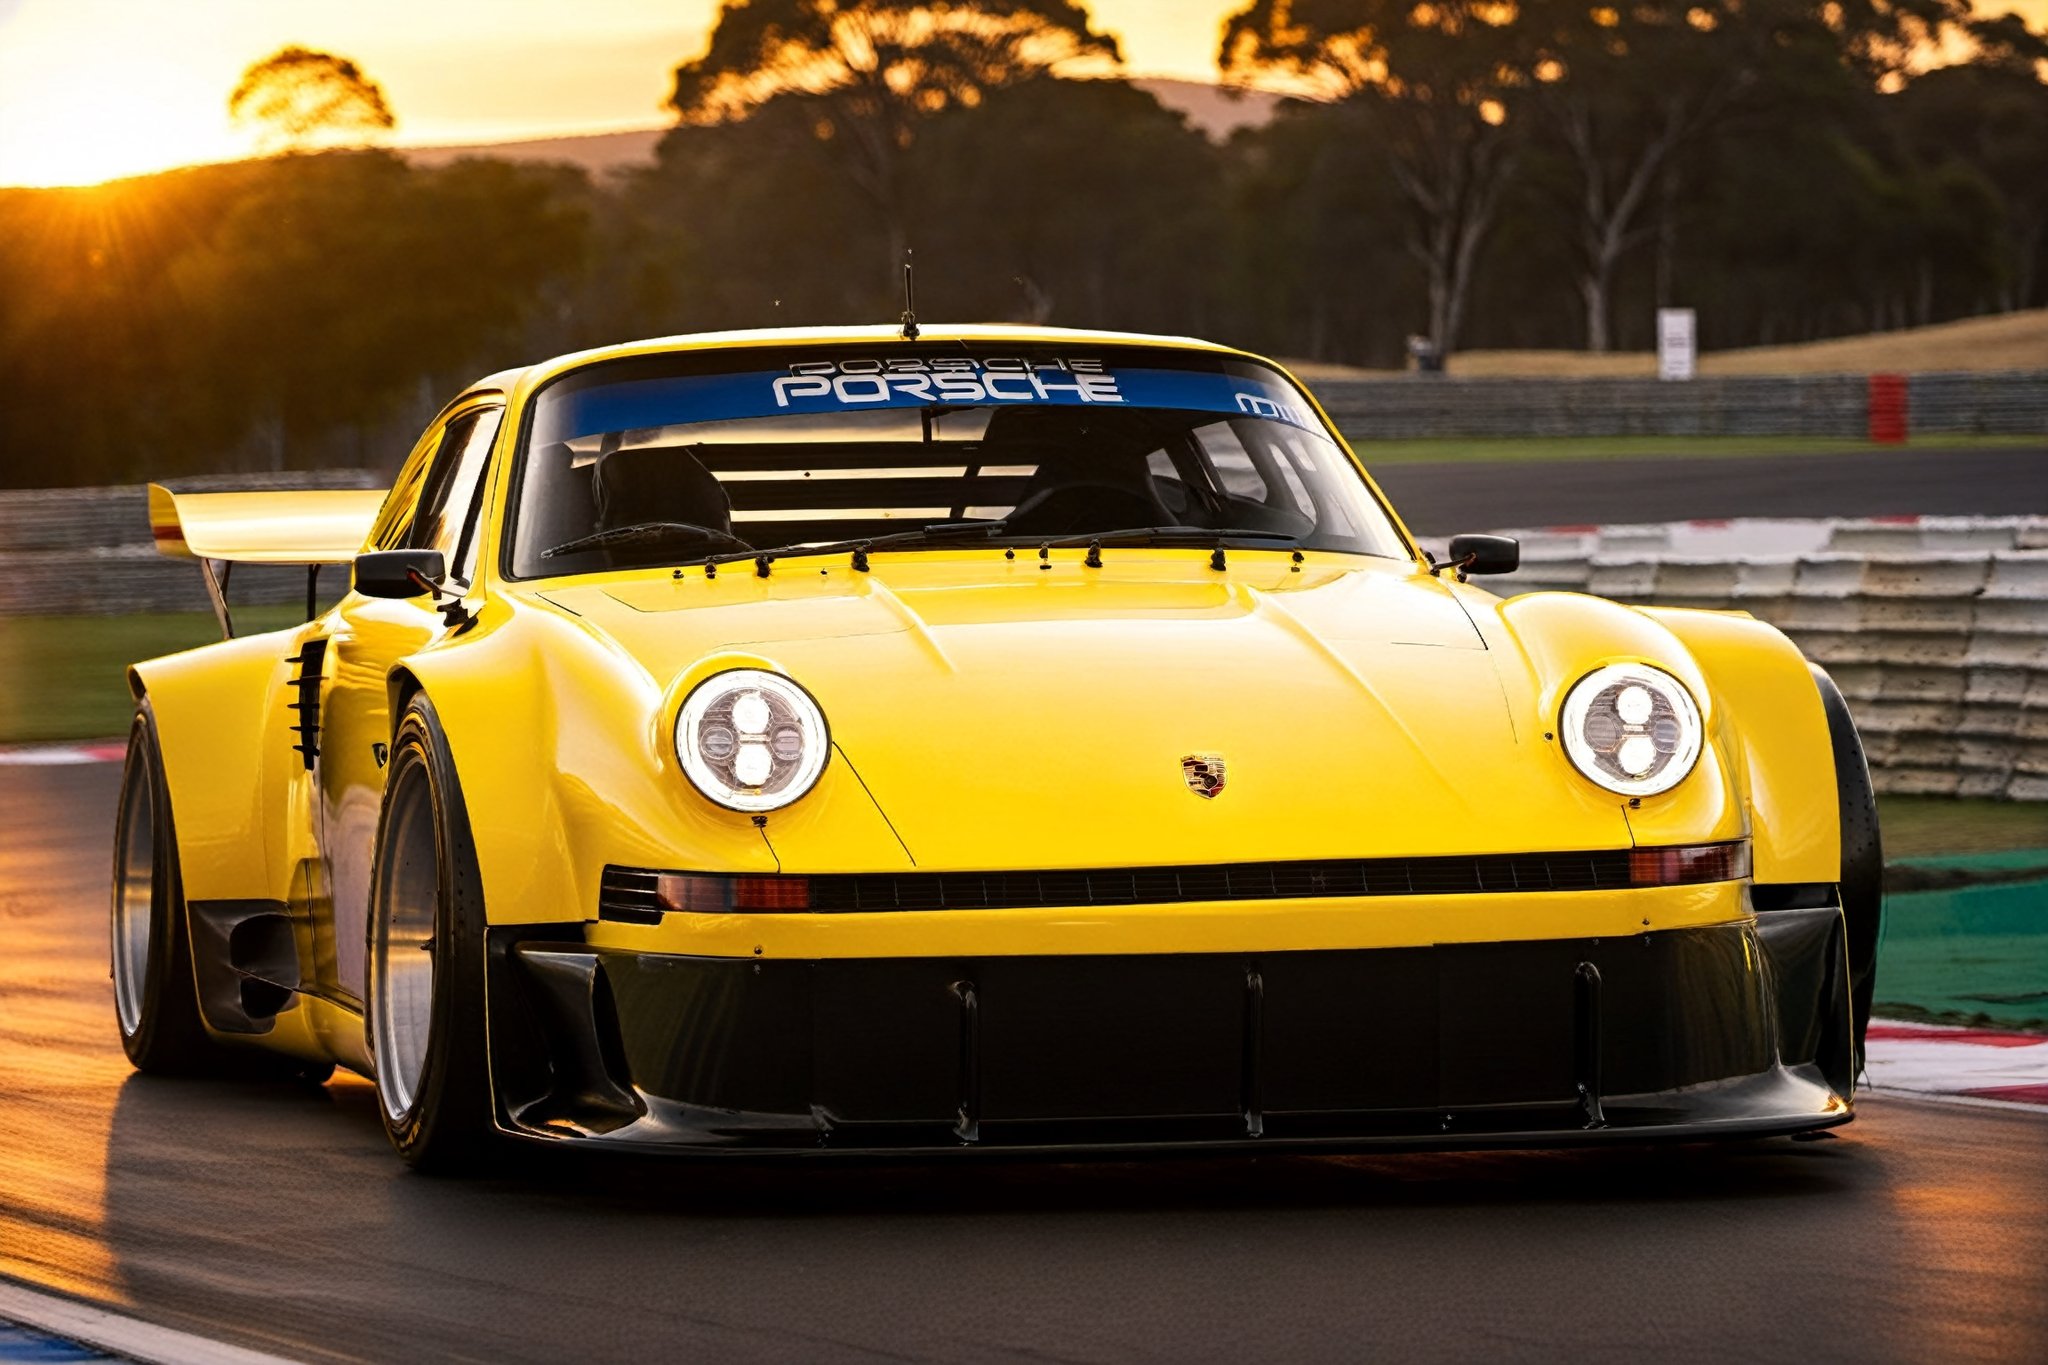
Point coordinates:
[[1862, 875], [426, 957]]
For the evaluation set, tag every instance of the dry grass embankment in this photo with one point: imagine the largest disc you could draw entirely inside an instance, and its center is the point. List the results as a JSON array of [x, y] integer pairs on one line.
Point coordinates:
[[2010, 341]]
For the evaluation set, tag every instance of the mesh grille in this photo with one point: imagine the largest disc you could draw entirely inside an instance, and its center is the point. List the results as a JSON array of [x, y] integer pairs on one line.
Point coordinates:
[[631, 894]]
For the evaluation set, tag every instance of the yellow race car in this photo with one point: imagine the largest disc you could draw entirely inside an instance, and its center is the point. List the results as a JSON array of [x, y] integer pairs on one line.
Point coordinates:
[[982, 740]]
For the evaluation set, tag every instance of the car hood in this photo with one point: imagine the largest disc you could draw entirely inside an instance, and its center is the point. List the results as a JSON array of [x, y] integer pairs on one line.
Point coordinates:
[[1013, 717]]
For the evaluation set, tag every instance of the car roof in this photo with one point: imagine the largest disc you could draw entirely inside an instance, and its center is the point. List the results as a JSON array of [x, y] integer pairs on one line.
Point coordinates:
[[890, 334]]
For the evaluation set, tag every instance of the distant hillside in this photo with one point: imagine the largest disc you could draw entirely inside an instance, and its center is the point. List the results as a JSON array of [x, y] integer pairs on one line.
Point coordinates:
[[1214, 110], [595, 152]]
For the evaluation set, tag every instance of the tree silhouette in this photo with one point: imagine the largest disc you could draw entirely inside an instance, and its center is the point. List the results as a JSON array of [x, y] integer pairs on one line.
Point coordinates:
[[1432, 77], [297, 99], [877, 69]]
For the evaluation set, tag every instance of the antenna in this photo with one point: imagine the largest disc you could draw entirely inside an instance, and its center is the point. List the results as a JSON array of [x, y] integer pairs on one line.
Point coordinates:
[[909, 299]]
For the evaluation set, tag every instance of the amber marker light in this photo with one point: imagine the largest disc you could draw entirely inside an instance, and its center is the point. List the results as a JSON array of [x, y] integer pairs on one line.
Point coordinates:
[[702, 894], [1689, 864]]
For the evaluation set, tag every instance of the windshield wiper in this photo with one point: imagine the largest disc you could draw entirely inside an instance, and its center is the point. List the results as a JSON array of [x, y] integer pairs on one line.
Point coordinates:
[[934, 533], [639, 531], [1211, 538], [1173, 535]]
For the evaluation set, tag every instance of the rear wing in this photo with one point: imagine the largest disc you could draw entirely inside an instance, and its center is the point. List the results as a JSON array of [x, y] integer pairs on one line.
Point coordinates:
[[326, 526]]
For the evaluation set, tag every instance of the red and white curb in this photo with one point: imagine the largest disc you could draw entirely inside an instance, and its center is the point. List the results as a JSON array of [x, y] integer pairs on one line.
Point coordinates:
[[1958, 1065], [62, 755]]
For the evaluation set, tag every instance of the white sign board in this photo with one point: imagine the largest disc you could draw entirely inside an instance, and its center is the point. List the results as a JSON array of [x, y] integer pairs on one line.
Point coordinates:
[[1676, 348]]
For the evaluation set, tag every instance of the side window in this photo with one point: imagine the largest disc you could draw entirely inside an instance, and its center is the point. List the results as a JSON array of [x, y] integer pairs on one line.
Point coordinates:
[[395, 517], [449, 506], [1291, 491], [1235, 471]]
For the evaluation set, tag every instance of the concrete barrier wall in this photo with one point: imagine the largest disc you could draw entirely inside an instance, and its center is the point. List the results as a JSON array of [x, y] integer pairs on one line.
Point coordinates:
[[1414, 406], [1935, 630], [87, 551]]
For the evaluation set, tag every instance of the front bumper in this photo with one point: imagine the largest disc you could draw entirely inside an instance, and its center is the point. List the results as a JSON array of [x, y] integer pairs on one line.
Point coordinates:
[[1737, 1029]]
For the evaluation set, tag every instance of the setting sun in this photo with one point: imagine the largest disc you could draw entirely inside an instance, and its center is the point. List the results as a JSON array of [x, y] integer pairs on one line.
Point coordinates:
[[126, 118]]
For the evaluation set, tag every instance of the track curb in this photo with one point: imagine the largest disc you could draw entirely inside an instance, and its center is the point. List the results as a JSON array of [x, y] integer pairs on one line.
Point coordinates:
[[122, 1337]]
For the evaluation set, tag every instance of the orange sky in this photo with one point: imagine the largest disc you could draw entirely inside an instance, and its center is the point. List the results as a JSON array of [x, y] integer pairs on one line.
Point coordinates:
[[96, 88], [91, 89]]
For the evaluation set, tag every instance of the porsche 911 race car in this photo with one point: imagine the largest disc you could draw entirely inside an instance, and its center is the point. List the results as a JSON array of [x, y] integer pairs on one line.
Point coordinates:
[[996, 740]]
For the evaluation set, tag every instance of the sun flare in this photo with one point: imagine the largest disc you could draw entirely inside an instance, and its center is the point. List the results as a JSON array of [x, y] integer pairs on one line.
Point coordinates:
[[126, 119]]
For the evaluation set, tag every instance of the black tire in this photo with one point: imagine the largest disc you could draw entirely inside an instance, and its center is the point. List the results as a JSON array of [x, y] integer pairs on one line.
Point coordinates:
[[1862, 877], [156, 1004], [438, 1119], [156, 1008]]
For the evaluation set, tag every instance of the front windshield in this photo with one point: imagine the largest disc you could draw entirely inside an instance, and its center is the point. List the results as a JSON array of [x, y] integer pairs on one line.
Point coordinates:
[[680, 458]]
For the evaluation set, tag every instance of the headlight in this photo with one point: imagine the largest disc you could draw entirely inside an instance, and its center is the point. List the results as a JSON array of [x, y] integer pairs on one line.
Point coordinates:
[[751, 740], [1632, 728]]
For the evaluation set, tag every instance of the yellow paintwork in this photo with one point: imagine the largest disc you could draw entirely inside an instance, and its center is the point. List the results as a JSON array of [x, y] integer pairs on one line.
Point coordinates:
[[319, 527], [1221, 927], [986, 714]]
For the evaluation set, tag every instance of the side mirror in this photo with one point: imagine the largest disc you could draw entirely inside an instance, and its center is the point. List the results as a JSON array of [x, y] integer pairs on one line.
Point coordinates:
[[396, 573], [1486, 554]]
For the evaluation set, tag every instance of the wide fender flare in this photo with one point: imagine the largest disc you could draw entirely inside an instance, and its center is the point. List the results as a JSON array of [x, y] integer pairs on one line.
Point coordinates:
[[1779, 727], [1767, 769], [228, 762], [560, 743]]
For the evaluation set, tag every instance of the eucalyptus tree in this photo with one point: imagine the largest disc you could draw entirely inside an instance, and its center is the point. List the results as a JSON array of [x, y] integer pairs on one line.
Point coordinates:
[[875, 71], [297, 99], [1432, 80], [1624, 93]]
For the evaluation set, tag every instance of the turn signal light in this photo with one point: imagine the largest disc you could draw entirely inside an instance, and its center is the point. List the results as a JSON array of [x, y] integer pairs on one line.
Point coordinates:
[[702, 894], [1689, 864]]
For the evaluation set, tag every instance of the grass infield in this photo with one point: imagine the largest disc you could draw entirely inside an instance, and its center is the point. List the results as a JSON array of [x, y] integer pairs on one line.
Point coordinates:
[[65, 677]]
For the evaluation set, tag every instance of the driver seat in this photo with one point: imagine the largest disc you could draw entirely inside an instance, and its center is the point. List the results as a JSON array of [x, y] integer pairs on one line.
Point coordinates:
[[660, 483], [1076, 494]]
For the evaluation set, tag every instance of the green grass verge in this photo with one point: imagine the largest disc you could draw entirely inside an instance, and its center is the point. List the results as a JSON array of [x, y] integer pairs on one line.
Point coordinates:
[[1523, 449], [65, 677], [1968, 955], [1929, 826]]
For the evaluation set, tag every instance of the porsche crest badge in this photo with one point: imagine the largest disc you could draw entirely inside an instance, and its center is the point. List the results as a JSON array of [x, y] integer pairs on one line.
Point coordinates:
[[1203, 773]]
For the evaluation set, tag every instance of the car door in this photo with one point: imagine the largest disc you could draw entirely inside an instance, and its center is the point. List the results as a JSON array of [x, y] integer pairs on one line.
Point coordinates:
[[371, 634]]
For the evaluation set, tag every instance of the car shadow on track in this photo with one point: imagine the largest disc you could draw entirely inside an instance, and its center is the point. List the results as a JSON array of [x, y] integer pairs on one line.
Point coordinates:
[[293, 1141]]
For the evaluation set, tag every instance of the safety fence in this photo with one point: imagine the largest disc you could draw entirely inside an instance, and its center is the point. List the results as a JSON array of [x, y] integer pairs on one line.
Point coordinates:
[[1935, 629], [2010, 403]]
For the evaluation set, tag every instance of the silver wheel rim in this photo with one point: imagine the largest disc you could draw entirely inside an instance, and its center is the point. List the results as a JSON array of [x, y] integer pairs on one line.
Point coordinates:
[[134, 896], [407, 901]]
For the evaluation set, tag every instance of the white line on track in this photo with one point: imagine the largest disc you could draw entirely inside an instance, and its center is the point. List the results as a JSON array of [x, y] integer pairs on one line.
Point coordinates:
[[118, 1335], [62, 755]]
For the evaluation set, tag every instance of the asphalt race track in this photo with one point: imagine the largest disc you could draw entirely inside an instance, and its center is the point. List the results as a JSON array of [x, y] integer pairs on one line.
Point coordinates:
[[1444, 499], [278, 1219]]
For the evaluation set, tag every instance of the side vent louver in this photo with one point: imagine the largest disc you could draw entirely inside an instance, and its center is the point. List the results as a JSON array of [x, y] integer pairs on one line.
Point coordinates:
[[306, 689]]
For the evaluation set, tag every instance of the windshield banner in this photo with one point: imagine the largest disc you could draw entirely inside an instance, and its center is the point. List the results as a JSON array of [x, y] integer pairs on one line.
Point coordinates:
[[843, 386]]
